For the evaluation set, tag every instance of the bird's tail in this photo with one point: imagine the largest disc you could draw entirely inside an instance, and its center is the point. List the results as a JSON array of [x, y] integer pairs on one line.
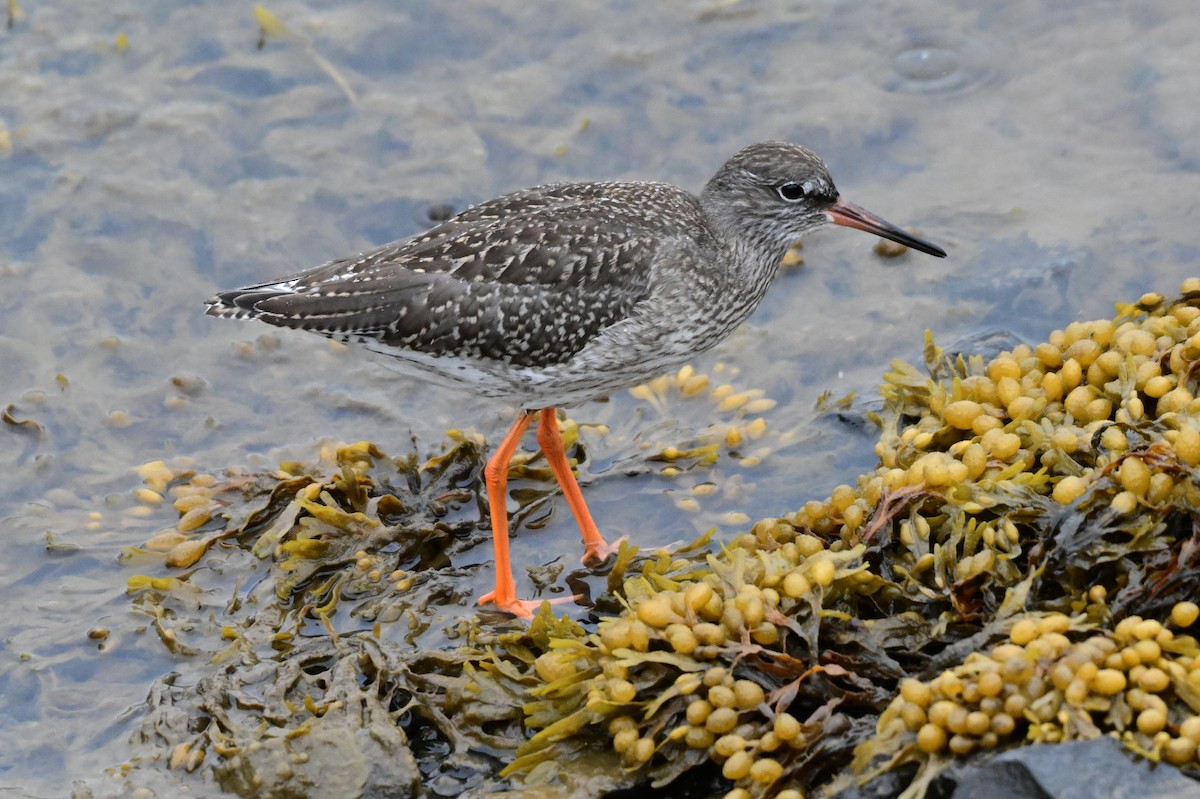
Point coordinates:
[[247, 303]]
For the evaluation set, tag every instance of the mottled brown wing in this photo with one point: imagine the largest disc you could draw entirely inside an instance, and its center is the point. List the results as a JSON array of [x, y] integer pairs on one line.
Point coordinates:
[[526, 279]]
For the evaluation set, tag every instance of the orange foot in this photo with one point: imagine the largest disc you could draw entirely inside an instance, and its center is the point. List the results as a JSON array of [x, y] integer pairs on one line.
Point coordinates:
[[596, 552], [507, 601]]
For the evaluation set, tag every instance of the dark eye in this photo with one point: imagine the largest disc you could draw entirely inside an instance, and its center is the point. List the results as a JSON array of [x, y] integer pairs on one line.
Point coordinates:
[[791, 192]]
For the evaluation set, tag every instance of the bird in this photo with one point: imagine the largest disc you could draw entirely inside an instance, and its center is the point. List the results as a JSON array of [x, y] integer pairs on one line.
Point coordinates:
[[557, 294]]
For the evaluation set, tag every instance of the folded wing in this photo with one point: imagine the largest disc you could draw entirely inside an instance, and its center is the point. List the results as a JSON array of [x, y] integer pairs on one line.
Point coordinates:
[[528, 279]]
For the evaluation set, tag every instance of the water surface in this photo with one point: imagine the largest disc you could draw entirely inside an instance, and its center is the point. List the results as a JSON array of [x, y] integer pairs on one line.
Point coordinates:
[[1053, 148]]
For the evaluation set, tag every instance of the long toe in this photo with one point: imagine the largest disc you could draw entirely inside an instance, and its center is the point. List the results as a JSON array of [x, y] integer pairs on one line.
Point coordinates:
[[525, 608], [595, 553]]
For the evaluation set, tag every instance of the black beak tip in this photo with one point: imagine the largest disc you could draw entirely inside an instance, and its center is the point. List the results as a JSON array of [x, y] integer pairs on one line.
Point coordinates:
[[917, 243], [932, 249], [911, 242]]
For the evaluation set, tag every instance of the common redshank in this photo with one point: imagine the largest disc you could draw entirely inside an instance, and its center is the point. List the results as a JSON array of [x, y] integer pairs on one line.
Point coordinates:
[[556, 294]]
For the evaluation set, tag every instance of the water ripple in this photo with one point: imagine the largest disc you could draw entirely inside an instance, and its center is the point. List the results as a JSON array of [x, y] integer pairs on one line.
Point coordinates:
[[938, 63]]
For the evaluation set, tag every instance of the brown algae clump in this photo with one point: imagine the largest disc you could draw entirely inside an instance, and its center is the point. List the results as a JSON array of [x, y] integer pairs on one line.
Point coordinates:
[[996, 578], [703, 661], [1140, 681], [1018, 566], [310, 671]]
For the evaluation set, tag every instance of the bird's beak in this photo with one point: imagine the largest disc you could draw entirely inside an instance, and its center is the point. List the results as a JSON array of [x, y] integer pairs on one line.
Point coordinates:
[[850, 215]]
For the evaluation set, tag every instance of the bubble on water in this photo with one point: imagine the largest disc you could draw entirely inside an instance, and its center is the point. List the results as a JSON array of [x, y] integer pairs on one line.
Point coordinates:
[[937, 64]]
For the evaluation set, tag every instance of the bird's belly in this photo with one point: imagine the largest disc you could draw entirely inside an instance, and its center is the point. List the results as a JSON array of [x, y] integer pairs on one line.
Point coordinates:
[[586, 375]]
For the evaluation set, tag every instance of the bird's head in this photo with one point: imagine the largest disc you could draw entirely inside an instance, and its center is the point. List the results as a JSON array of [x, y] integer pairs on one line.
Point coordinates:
[[775, 192]]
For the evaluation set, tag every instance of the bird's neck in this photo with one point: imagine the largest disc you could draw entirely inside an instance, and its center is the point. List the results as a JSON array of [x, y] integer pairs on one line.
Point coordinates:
[[756, 245], [742, 230]]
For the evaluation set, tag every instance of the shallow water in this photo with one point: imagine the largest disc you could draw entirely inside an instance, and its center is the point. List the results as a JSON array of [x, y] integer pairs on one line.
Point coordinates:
[[1053, 148]]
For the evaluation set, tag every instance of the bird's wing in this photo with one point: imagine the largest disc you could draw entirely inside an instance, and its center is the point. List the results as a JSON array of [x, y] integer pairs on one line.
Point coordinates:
[[528, 279]]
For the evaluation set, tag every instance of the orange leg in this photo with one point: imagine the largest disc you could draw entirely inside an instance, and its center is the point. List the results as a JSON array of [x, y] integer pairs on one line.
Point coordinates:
[[496, 478], [595, 547]]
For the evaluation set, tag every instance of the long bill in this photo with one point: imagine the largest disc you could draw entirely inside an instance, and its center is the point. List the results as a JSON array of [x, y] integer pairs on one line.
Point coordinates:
[[850, 215]]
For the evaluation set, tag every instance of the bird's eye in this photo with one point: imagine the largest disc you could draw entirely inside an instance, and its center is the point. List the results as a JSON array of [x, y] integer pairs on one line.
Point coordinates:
[[791, 192]]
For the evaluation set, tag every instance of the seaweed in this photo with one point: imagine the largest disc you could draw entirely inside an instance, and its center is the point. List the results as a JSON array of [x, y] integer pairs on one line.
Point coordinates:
[[1019, 567]]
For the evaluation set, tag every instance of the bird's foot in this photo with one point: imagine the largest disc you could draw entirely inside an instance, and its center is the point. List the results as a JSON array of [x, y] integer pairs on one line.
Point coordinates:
[[596, 552], [525, 608]]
